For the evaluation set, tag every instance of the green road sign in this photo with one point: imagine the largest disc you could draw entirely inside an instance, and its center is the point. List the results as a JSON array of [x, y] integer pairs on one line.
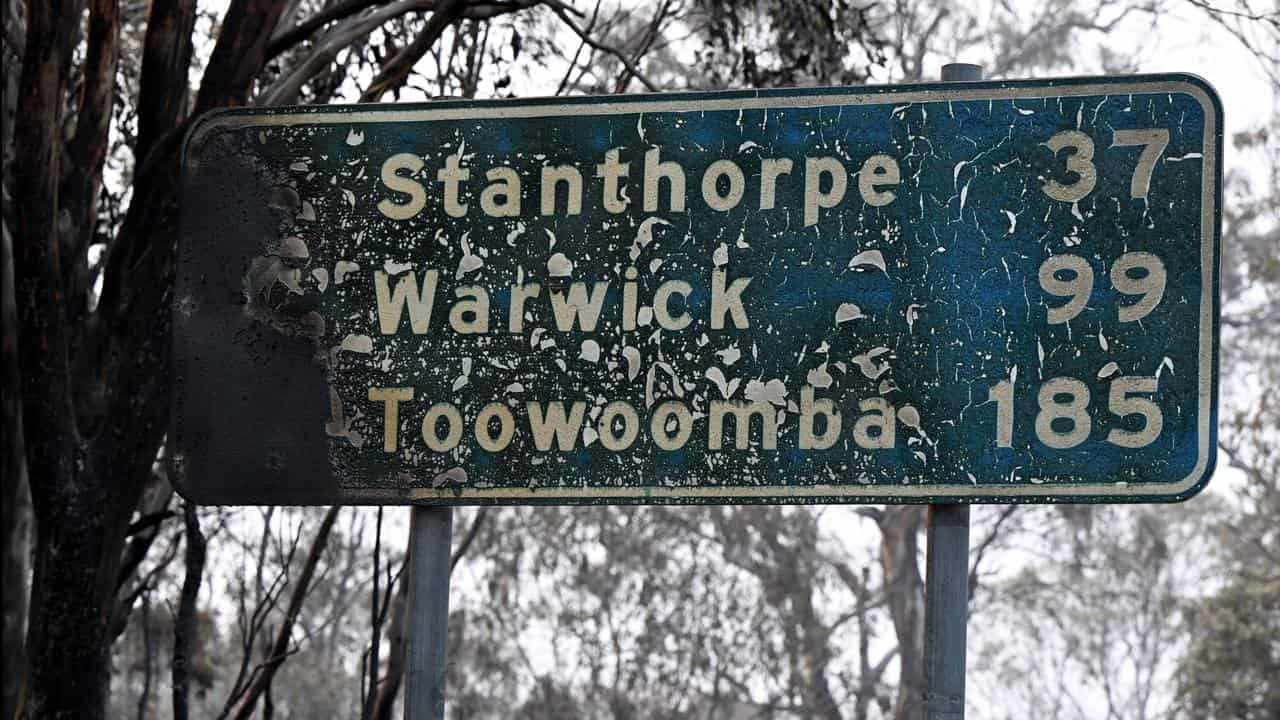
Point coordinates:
[[991, 291]]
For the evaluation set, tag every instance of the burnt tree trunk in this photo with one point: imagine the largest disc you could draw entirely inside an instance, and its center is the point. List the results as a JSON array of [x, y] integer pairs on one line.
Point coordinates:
[[67, 655], [94, 391], [15, 503], [184, 625], [86, 393]]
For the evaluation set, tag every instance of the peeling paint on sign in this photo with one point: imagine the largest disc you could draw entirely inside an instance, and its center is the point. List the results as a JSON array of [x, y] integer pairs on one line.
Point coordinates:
[[974, 291]]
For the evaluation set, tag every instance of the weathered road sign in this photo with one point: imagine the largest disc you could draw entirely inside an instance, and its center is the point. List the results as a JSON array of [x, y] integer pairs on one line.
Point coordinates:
[[997, 291]]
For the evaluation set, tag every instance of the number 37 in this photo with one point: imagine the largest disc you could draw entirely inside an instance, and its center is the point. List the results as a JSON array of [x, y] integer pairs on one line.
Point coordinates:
[[1080, 161]]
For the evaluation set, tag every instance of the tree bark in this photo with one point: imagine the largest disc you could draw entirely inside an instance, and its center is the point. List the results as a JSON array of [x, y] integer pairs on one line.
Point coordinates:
[[899, 559], [68, 659], [87, 151], [390, 686], [91, 390], [16, 501], [396, 71], [86, 485], [239, 53], [163, 90], [184, 626]]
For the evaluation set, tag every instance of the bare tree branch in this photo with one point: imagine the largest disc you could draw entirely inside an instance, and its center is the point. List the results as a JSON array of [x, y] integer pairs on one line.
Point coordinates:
[[394, 73], [144, 697], [166, 56], [239, 53], [123, 608], [143, 532], [286, 88], [375, 621], [469, 538], [148, 521], [647, 39], [386, 691], [981, 551], [338, 11], [573, 61], [280, 649], [82, 173], [1270, 18], [563, 12]]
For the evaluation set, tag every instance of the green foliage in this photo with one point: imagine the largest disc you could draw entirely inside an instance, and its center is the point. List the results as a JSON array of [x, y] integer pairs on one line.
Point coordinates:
[[1232, 667]]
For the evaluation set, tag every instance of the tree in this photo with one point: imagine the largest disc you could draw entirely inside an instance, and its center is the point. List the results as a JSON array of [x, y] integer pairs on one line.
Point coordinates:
[[86, 380], [1231, 667]]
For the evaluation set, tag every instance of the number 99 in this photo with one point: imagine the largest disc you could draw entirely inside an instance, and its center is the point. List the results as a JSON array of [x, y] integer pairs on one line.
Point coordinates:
[[1149, 284]]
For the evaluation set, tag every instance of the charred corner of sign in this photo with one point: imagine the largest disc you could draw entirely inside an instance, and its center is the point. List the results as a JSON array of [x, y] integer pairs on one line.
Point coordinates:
[[341, 426], [275, 460], [286, 203], [186, 306], [207, 138], [217, 125], [273, 282], [274, 296], [177, 462], [273, 290]]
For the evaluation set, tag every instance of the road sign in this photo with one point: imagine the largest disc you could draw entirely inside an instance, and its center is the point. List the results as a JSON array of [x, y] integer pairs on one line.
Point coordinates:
[[991, 291]]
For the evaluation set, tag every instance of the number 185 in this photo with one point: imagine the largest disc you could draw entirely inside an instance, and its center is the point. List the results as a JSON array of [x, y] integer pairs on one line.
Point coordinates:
[[1063, 421]]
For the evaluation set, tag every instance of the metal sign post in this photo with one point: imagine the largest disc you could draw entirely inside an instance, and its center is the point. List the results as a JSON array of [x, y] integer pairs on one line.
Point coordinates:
[[946, 611], [946, 591], [429, 550]]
